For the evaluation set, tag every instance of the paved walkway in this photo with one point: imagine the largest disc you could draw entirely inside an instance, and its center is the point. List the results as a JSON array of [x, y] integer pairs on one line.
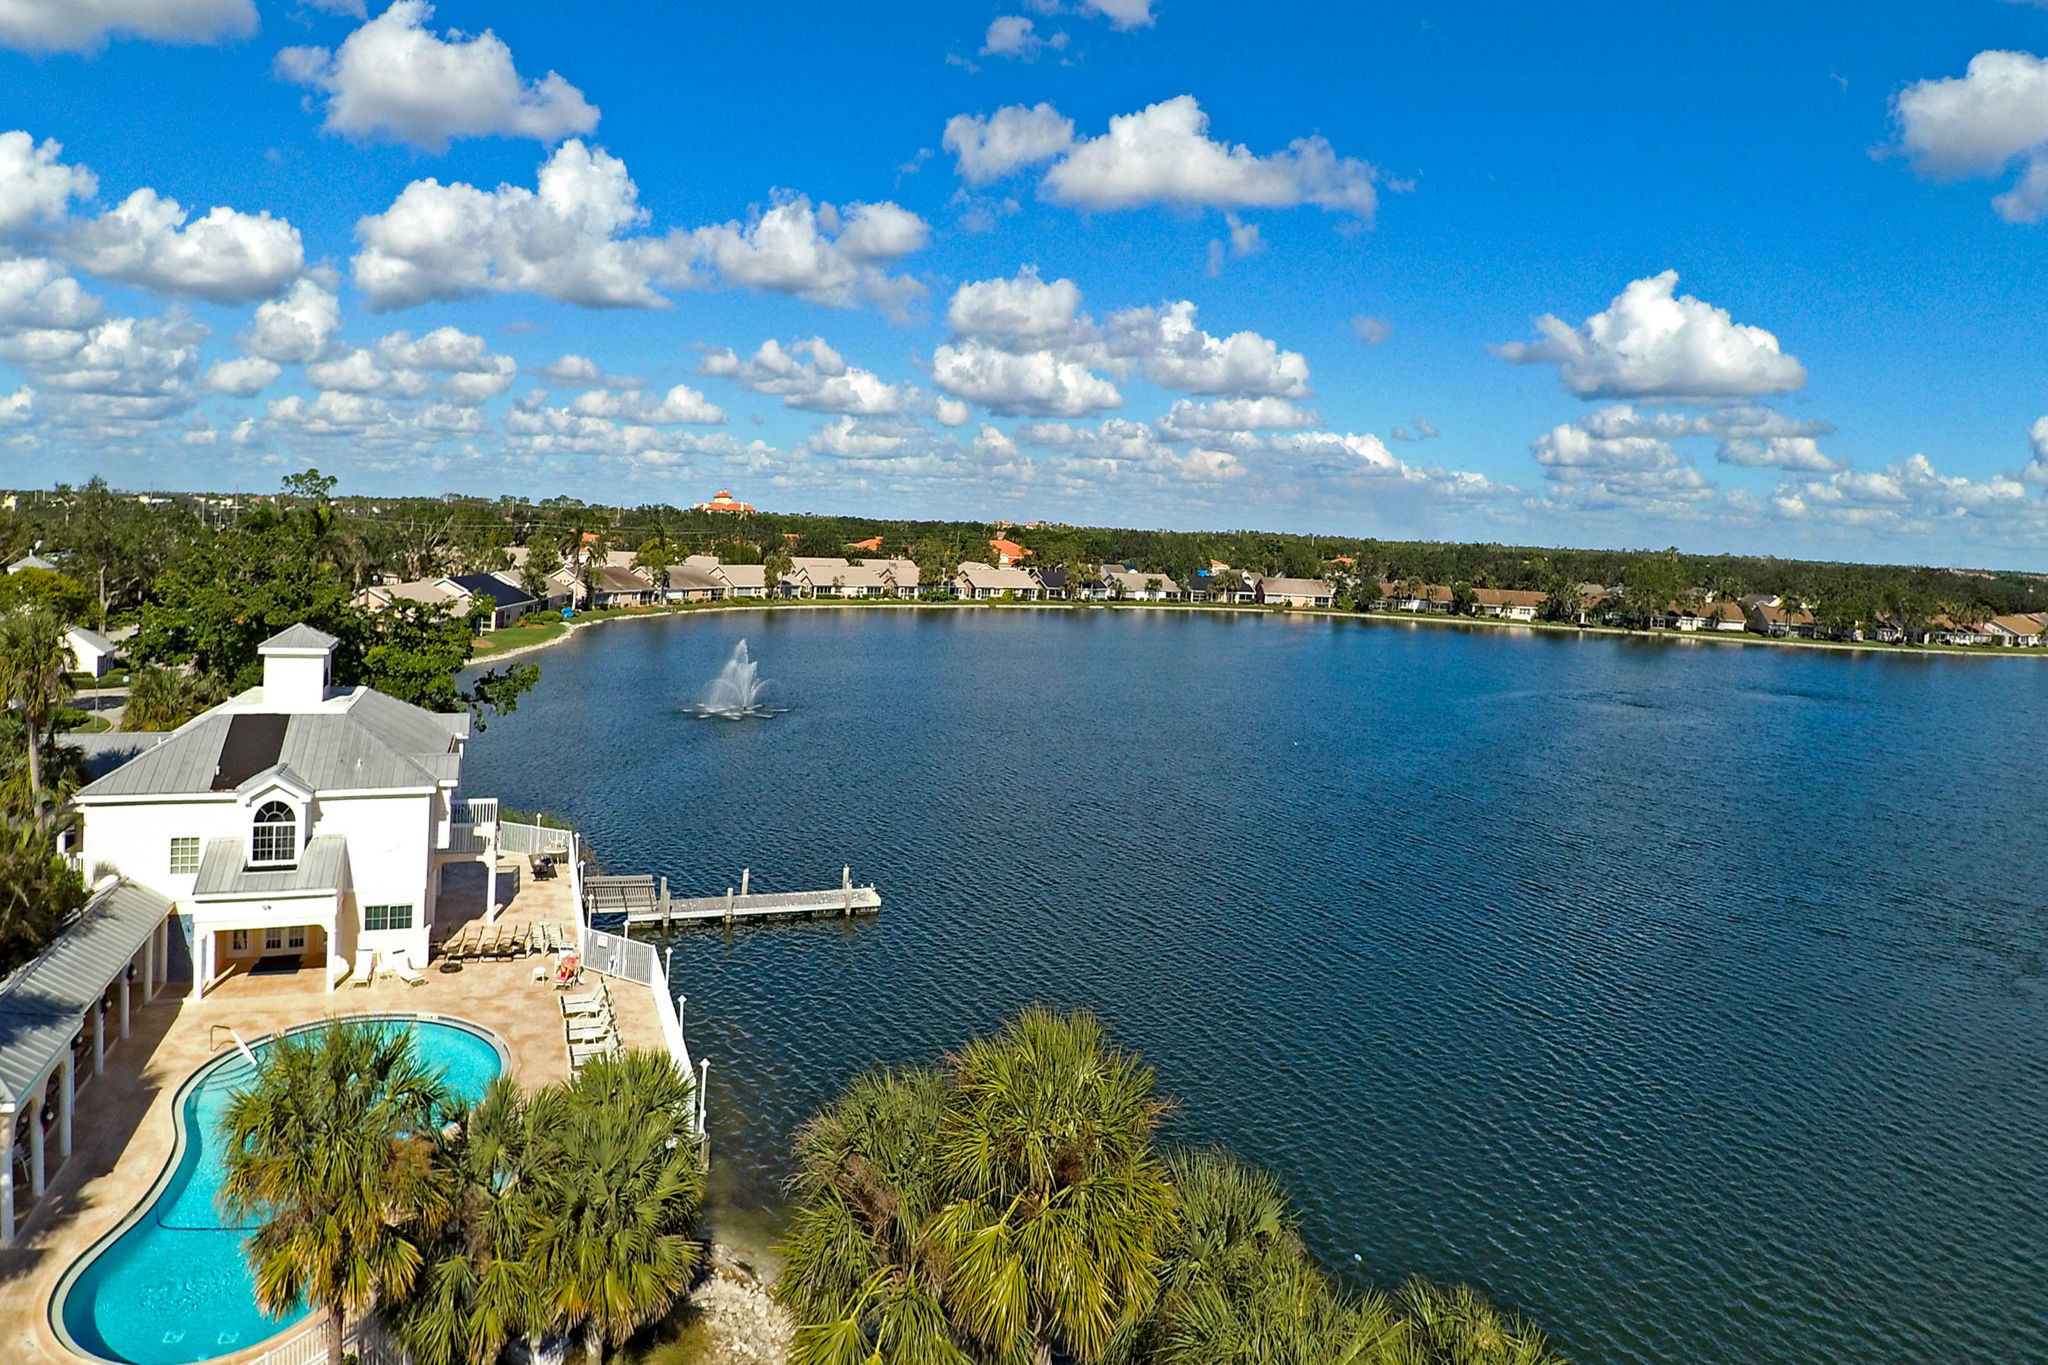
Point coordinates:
[[123, 1131]]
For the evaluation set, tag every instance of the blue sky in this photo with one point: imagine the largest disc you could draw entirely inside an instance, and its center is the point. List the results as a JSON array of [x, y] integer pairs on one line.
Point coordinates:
[[1152, 262]]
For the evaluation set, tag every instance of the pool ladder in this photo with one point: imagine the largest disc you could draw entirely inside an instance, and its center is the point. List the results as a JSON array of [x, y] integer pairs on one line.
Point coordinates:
[[239, 1044]]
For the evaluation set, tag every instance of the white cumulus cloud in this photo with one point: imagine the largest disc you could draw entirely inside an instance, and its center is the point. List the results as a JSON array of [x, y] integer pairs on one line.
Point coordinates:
[[242, 377], [295, 328], [85, 25], [561, 240], [1980, 123], [1163, 155], [36, 187], [1032, 383], [989, 147], [1177, 354], [224, 257], [392, 78], [1653, 345]]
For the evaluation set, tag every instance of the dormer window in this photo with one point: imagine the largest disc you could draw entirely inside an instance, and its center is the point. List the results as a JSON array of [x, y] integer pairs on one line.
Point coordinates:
[[274, 837]]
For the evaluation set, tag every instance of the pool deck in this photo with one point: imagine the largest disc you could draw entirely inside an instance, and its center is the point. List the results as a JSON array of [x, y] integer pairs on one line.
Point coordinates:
[[123, 1132]]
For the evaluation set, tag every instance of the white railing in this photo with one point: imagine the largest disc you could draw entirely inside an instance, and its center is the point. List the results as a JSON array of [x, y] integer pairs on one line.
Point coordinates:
[[525, 840], [615, 954], [478, 810], [365, 1339]]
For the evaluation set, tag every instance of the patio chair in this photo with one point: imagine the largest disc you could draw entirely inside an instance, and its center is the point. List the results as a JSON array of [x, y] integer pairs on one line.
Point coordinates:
[[399, 964], [588, 1004], [365, 969]]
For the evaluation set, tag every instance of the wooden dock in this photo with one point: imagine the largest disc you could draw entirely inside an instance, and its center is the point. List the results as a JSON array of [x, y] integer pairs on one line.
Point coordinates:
[[646, 901]]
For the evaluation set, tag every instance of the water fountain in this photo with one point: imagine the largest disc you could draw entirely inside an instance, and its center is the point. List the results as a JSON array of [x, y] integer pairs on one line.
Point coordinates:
[[735, 694]]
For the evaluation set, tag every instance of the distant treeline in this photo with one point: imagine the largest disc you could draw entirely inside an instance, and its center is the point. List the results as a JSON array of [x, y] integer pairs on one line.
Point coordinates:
[[118, 548]]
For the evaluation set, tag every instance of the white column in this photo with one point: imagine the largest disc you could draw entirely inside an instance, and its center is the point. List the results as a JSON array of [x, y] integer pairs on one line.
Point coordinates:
[[7, 1182], [124, 1003], [202, 960], [99, 1039], [149, 967], [35, 1138], [67, 1093]]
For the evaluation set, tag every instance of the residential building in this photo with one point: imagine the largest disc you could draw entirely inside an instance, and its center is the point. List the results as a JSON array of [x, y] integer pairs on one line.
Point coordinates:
[[1768, 619], [1509, 604], [1008, 553], [612, 586], [689, 583], [501, 597], [91, 652], [32, 561], [741, 580], [986, 582], [295, 825], [1135, 585], [2019, 631], [1724, 616], [1293, 592], [903, 576]]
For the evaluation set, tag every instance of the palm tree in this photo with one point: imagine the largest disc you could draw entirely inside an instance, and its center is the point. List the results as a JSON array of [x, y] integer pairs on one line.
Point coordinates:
[[1457, 1327], [1238, 1287], [1050, 1242], [39, 889], [35, 666], [859, 1275], [615, 1199], [331, 1154], [476, 1289]]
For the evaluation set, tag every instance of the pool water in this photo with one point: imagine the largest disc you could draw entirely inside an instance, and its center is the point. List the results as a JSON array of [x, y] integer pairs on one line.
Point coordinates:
[[174, 1286]]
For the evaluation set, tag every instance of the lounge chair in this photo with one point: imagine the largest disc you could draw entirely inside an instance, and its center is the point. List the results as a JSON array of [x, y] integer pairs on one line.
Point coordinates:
[[581, 1054], [589, 1029], [590, 1004], [365, 969], [399, 964]]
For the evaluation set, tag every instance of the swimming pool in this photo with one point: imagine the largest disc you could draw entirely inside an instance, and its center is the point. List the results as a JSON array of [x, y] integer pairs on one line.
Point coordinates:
[[171, 1285]]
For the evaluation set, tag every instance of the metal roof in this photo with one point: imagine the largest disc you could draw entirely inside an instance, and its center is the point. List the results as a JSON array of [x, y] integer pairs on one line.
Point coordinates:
[[300, 636], [365, 741], [319, 869], [43, 1002]]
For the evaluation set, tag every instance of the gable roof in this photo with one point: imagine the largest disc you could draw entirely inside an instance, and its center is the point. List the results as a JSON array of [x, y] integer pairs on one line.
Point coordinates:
[[490, 585], [89, 639], [1296, 587]]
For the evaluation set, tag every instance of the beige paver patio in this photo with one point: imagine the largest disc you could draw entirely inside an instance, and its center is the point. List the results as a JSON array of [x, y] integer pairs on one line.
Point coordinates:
[[123, 1133]]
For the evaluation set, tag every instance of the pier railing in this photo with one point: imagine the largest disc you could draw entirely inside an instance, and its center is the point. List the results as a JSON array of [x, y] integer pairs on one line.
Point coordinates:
[[612, 953]]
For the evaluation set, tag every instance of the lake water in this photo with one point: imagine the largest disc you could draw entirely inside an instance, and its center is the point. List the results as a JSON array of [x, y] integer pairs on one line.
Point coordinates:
[[1687, 997]]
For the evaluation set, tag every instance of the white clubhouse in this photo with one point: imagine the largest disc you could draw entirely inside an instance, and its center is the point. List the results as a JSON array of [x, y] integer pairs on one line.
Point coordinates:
[[297, 824]]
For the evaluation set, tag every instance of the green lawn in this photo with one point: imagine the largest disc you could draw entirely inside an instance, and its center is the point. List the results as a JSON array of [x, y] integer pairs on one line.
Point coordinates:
[[514, 637]]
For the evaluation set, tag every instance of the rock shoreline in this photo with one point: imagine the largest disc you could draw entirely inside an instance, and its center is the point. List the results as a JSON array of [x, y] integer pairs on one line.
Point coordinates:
[[745, 1324]]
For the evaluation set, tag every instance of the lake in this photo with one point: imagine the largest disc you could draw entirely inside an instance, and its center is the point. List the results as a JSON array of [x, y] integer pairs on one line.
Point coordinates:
[[1690, 998]]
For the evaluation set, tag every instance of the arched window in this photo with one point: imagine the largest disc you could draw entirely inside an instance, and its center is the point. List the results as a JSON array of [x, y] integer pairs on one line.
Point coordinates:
[[275, 836]]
